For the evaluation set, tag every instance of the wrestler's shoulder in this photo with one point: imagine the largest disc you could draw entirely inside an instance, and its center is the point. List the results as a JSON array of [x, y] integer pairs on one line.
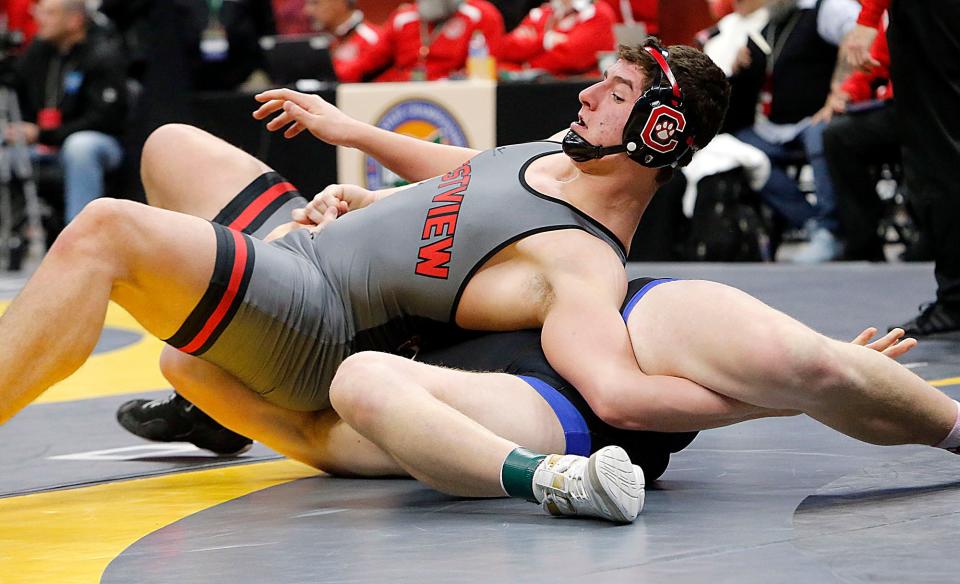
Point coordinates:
[[568, 245]]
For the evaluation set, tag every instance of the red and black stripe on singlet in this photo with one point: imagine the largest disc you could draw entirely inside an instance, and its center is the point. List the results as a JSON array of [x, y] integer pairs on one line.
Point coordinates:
[[224, 295], [243, 215], [256, 203]]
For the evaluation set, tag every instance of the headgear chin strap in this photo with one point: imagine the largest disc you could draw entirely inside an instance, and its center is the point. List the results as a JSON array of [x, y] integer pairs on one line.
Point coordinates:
[[656, 133], [576, 147]]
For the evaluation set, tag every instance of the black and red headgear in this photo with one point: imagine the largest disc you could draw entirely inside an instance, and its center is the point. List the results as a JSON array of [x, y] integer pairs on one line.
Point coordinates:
[[657, 133]]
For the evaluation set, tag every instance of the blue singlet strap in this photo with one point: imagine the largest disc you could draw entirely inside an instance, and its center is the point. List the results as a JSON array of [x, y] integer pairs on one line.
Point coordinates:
[[636, 297], [574, 426]]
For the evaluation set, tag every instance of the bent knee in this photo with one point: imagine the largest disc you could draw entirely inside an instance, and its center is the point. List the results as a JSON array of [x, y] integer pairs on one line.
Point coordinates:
[[165, 138], [357, 391], [97, 228], [176, 366], [80, 144]]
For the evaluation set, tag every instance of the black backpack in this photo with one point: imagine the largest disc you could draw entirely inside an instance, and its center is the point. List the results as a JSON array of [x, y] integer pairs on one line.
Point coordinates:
[[727, 225]]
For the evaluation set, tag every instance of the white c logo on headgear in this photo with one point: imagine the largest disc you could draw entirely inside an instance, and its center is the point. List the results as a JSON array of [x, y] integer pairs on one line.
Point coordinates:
[[663, 124]]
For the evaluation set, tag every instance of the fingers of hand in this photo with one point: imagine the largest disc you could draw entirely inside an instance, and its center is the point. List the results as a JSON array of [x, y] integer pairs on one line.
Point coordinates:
[[331, 194], [300, 216], [864, 336], [280, 121], [268, 108], [861, 58], [315, 213], [295, 113], [891, 338], [330, 214], [868, 64], [900, 349], [271, 94], [886, 340], [294, 130]]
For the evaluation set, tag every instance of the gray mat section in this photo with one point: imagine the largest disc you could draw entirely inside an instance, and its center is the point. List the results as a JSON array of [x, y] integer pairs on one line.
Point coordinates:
[[43, 432], [772, 501], [723, 513], [112, 339], [10, 284], [903, 511]]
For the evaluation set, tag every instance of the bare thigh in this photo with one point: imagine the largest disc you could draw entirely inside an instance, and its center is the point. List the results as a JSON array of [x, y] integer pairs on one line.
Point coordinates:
[[186, 169], [165, 261], [504, 404], [720, 338]]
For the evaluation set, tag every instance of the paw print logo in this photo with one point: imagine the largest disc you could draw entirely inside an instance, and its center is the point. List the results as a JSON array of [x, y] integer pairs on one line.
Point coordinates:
[[665, 130]]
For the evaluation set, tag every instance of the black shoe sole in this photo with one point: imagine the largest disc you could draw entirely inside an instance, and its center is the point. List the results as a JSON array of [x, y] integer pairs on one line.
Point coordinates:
[[157, 430]]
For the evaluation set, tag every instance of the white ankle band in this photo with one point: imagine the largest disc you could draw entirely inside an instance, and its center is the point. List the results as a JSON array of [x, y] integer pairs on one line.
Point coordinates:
[[953, 438]]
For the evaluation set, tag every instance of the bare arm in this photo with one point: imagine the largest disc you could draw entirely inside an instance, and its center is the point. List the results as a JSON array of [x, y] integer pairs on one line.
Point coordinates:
[[412, 159], [586, 341]]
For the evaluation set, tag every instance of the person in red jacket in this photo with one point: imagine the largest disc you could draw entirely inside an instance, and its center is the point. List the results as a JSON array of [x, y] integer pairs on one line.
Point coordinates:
[[429, 40], [20, 18], [355, 52], [561, 37], [645, 12]]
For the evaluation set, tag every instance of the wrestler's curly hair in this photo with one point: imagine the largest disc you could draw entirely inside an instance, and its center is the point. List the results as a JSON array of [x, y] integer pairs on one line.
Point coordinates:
[[706, 92]]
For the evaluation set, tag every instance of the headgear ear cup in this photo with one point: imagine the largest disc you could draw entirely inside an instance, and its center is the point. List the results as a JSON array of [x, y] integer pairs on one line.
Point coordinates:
[[657, 133]]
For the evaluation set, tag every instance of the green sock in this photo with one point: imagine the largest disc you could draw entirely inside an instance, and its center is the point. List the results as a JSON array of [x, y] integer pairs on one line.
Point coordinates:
[[516, 476]]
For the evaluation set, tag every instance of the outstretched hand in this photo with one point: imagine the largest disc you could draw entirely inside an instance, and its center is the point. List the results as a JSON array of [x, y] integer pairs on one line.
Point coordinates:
[[892, 344], [297, 112]]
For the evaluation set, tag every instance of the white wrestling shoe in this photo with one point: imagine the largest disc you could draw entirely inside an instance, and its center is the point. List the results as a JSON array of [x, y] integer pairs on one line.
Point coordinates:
[[606, 485]]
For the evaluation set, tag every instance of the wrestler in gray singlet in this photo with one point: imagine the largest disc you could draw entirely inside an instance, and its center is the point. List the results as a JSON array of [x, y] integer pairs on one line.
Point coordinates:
[[282, 316]]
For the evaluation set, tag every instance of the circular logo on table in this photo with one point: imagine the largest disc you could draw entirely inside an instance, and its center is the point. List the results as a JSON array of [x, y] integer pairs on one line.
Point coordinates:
[[420, 118]]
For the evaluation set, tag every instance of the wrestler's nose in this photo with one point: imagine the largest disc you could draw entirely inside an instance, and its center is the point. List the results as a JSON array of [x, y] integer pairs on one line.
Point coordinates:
[[587, 97]]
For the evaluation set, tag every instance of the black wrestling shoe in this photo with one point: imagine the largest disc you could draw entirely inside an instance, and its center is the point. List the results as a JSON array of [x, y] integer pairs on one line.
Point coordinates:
[[934, 318], [174, 419]]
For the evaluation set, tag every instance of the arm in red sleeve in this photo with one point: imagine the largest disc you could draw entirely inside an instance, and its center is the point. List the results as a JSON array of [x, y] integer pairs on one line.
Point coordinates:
[[363, 57], [871, 11], [857, 86], [578, 53], [524, 42], [491, 25]]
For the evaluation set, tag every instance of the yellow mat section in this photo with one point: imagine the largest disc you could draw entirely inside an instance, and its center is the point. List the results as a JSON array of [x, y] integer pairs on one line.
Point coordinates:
[[71, 536], [130, 369], [945, 382]]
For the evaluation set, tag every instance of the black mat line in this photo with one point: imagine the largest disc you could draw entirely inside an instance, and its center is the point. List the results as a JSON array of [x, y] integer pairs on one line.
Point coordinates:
[[183, 465]]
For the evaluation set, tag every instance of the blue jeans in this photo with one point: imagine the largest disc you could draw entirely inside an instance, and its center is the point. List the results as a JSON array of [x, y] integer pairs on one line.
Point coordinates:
[[85, 157], [782, 193]]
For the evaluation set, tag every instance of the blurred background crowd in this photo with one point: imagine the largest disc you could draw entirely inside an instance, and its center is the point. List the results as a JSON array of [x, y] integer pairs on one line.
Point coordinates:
[[818, 160]]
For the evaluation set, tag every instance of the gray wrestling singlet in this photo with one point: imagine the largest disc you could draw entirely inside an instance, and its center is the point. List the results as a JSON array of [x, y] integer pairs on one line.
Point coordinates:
[[291, 311]]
